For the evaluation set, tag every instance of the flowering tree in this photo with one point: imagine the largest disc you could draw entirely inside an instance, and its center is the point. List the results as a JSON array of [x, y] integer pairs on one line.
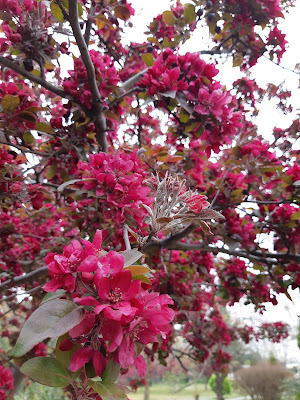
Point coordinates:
[[135, 189]]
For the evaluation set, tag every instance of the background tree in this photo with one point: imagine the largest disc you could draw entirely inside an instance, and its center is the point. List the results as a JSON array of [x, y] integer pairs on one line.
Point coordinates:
[[137, 145], [262, 381]]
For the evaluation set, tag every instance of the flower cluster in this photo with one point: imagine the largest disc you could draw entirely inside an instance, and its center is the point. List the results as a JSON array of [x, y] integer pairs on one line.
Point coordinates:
[[274, 331], [241, 229], [286, 228], [106, 75], [277, 40], [6, 382], [117, 181], [28, 35], [212, 106], [124, 314]]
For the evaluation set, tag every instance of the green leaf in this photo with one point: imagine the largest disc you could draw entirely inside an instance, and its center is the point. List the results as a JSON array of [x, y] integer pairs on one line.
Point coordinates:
[[237, 60], [64, 185], [142, 278], [28, 137], [43, 127], [138, 270], [122, 12], [35, 109], [111, 372], [295, 216], [51, 171], [64, 357], [80, 10], [130, 256], [189, 13], [148, 59], [184, 116], [53, 295], [108, 391], [56, 12], [10, 102], [47, 371], [52, 319], [168, 18]]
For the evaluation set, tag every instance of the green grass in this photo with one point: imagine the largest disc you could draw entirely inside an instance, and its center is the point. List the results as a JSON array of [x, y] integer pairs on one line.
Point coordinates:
[[166, 392], [35, 391]]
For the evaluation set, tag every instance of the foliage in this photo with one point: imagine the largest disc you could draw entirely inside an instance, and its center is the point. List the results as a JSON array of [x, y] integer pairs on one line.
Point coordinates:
[[291, 387], [263, 380], [124, 180], [36, 391], [226, 384]]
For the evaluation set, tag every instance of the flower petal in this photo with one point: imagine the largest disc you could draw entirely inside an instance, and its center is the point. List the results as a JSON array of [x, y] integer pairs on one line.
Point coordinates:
[[80, 358]]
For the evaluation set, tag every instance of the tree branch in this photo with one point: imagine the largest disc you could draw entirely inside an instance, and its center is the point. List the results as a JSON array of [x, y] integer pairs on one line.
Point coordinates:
[[97, 105], [89, 24], [36, 79], [255, 256], [12, 296], [25, 278], [25, 149]]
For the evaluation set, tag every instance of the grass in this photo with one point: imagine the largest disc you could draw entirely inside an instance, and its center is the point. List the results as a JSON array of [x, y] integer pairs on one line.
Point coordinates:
[[35, 391], [162, 391]]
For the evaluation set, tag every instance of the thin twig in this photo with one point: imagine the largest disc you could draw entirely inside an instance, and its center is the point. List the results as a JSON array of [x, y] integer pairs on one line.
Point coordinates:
[[36, 79], [218, 191], [12, 296], [126, 238], [25, 278], [89, 24]]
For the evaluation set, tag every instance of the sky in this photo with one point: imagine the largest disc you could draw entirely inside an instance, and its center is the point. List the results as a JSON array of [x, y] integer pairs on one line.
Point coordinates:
[[264, 72]]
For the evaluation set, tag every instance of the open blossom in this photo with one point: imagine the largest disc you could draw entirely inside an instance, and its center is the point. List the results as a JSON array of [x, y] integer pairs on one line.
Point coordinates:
[[120, 311], [6, 382], [197, 203]]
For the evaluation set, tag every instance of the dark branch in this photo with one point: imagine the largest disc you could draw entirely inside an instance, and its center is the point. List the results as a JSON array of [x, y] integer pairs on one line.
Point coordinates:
[[97, 106], [89, 24], [25, 278], [36, 79], [170, 243], [13, 296]]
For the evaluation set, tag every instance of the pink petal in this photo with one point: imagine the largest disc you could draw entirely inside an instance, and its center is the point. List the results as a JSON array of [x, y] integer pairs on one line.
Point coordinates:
[[140, 365], [97, 241], [99, 362], [133, 290], [126, 352], [80, 358], [66, 345], [84, 326], [70, 283], [86, 301], [103, 285], [121, 281], [99, 308], [112, 332], [54, 284], [89, 264], [114, 261]]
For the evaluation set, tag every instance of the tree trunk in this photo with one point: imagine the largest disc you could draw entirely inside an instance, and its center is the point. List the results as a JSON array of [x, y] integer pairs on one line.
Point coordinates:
[[18, 379], [147, 389], [146, 392], [219, 385]]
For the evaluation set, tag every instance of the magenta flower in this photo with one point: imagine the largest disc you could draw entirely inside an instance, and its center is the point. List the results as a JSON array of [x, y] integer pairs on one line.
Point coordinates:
[[197, 203], [62, 268], [84, 355]]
